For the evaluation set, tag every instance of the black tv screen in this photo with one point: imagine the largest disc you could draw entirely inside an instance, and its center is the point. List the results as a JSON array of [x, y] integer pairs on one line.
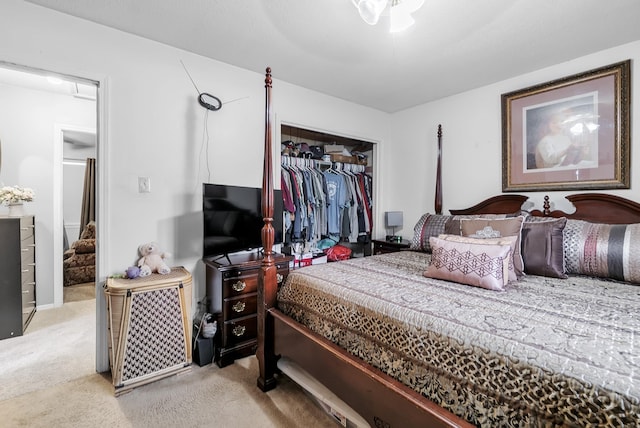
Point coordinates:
[[233, 221]]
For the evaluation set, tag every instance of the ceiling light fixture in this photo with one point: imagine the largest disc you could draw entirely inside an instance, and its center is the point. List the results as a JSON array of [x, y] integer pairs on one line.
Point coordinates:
[[399, 11]]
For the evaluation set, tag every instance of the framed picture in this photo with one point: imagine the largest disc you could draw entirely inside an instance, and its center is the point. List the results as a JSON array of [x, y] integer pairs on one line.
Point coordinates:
[[570, 133]]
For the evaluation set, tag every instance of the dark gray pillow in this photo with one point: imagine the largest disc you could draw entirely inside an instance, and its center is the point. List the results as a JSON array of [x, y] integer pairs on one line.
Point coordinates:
[[542, 247]]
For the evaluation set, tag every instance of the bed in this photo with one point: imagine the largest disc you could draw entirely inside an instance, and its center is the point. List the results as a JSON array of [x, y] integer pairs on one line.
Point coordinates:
[[403, 349]]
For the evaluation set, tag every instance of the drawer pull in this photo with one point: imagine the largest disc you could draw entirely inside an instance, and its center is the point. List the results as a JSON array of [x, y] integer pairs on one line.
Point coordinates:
[[279, 278], [25, 270], [239, 307], [239, 330], [25, 291], [239, 286]]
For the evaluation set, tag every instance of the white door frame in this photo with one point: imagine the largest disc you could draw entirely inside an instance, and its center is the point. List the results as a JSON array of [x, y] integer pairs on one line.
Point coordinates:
[[58, 210], [102, 225]]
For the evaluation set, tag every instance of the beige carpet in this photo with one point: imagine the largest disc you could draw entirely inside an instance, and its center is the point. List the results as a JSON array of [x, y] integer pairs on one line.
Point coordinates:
[[47, 379], [77, 292]]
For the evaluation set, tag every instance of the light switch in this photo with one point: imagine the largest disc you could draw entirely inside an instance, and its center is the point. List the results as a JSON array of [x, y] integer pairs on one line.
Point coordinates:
[[144, 185]]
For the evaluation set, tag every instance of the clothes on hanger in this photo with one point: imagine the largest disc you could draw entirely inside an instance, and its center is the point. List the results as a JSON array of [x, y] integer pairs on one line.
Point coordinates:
[[321, 202]]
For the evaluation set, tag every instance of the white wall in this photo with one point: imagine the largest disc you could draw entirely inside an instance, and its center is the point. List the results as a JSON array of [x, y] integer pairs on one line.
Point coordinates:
[[472, 142], [154, 126]]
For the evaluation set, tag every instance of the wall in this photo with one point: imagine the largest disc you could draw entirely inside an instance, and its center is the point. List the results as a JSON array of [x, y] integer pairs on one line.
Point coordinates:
[[27, 124], [472, 142], [154, 127]]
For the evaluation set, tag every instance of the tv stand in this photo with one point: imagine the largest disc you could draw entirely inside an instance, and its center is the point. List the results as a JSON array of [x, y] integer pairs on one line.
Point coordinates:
[[226, 256], [232, 292]]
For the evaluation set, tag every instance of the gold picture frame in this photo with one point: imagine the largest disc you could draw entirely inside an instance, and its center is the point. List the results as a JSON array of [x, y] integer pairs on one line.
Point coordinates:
[[568, 134]]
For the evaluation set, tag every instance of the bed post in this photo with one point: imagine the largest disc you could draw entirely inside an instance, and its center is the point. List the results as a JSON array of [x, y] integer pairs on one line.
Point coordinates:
[[438, 201], [267, 281]]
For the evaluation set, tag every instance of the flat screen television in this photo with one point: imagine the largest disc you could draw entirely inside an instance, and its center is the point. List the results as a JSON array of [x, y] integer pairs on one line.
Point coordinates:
[[232, 217]]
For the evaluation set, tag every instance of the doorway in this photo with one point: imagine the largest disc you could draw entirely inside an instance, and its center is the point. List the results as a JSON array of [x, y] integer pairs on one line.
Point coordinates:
[[78, 212], [38, 111]]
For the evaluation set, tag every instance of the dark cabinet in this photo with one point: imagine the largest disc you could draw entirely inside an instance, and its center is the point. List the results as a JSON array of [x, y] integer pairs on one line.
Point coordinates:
[[383, 247], [232, 295], [17, 274]]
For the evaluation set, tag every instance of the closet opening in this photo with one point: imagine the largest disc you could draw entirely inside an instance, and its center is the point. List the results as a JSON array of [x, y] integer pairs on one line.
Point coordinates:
[[327, 184]]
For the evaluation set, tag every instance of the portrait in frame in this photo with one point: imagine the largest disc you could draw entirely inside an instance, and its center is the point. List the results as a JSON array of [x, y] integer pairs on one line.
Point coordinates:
[[568, 134]]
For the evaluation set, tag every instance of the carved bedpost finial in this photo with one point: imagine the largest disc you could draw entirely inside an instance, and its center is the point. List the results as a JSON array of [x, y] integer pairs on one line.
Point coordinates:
[[267, 79], [546, 206]]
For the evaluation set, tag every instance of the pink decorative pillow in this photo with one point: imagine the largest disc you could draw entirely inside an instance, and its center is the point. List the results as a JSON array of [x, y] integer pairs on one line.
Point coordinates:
[[480, 265], [507, 240], [505, 227]]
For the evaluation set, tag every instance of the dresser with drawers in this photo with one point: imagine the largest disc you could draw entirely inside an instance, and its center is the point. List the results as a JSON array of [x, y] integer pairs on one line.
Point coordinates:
[[232, 296], [17, 274]]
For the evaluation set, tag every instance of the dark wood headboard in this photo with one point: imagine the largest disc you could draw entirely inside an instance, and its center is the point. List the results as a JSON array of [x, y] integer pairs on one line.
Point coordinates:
[[592, 207], [596, 208], [501, 204]]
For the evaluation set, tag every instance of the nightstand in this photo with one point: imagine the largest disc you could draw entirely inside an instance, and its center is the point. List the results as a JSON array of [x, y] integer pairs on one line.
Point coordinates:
[[381, 246], [232, 295]]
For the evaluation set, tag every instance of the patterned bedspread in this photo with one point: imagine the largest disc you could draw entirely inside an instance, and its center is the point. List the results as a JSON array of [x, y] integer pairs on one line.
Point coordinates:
[[545, 352]]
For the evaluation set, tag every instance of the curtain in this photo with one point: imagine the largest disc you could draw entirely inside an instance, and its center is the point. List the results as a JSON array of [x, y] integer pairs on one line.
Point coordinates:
[[88, 212]]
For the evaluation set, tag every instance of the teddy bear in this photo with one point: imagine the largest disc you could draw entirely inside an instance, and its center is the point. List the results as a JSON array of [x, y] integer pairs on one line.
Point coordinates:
[[152, 260]]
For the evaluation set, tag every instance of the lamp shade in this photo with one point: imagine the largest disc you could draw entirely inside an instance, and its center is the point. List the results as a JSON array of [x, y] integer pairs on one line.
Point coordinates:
[[393, 218]]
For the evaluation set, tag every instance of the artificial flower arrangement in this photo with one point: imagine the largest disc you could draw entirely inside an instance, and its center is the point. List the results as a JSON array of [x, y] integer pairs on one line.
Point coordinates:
[[16, 194]]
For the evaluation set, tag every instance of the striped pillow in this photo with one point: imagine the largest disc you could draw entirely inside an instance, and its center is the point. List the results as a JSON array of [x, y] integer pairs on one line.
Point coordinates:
[[429, 225], [602, 250]]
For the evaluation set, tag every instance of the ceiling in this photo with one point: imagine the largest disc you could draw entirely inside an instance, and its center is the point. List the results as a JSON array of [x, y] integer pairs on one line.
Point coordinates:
[[455, 45]]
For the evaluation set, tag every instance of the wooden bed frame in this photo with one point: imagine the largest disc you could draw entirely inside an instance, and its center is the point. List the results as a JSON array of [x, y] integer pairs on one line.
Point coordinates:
[[381, 400]]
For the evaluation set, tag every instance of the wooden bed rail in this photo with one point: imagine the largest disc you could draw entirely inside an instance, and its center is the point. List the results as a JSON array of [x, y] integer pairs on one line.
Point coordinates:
[[358, 383]]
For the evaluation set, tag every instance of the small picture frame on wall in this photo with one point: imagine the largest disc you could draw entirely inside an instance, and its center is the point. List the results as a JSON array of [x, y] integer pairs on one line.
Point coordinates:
[[568, 134]]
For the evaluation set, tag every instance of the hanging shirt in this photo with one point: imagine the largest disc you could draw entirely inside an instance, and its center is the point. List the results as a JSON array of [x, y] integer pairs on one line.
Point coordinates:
[[336, 201]]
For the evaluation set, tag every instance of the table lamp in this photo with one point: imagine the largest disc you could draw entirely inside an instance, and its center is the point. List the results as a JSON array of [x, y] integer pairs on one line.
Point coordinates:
[[392, 220]]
